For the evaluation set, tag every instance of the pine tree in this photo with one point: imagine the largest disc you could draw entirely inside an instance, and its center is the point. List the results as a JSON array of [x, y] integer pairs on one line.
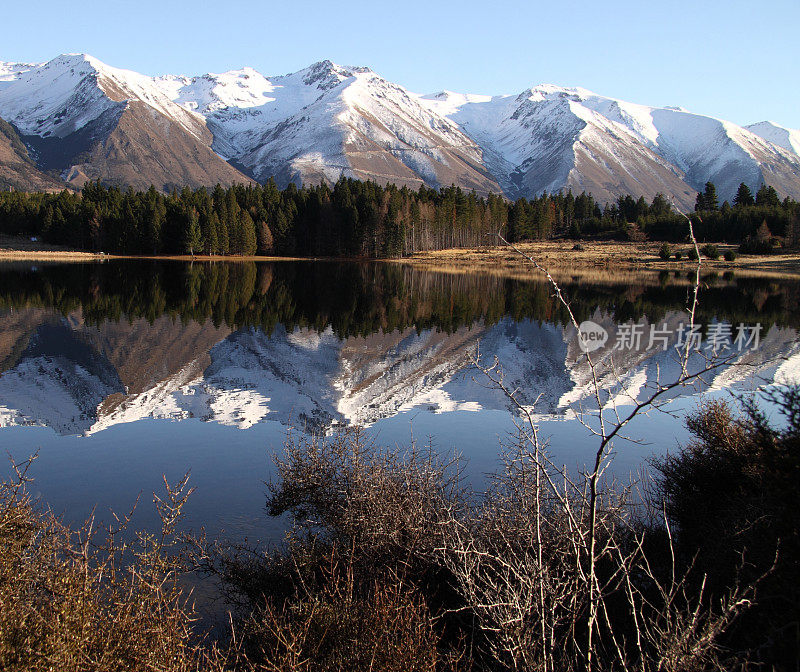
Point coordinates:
[[660, 206], [209, 227], [222, 234], [700, 202], [247, 233], [710, 201], [192, 240], [767, 196], [743, 196]]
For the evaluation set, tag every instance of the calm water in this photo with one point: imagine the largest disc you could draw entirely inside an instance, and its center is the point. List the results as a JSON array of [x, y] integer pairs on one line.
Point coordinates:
[[120, 372]]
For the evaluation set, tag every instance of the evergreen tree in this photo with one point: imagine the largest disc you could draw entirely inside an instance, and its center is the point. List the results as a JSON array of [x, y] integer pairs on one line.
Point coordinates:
[[710, 201], [743, 196], [699, 202], [223, 246], [247, 233], [192, 238], [660, 206], [767, 196]]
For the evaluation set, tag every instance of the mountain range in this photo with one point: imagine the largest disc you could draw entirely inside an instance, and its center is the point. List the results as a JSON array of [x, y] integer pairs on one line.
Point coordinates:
[[75, 119]]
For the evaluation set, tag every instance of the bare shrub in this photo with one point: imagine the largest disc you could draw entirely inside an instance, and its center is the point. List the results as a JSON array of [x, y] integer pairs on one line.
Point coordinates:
[[69, 604], [379, 500], [334, 622]]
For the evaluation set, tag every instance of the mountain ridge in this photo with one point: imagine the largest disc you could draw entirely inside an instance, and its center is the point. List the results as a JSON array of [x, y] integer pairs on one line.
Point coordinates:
[[83, 119]]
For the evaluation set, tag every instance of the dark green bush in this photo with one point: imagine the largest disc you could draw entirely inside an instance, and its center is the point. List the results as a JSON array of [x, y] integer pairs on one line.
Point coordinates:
[[755, 245], [710, 251], [665, 252], [732, 495], [730, 255]]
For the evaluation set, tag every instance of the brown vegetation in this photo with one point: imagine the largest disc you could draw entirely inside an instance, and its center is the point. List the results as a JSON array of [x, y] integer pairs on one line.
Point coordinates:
[[72, 601], [564, 258], [394, 564]]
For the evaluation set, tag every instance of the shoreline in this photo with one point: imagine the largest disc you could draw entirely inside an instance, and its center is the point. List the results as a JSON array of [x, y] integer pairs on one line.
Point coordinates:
[[561, 257]]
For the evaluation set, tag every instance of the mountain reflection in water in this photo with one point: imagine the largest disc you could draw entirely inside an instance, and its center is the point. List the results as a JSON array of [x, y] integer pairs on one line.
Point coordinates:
[[316, 344], [90, 349]]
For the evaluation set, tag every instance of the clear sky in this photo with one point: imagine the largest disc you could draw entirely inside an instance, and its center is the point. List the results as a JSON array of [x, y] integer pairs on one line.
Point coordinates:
[[735, 60]]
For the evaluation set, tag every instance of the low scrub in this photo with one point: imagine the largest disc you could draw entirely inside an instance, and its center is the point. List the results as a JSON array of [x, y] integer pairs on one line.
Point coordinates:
[[759, 246], [486, 581], [68, 602], [393, 563]]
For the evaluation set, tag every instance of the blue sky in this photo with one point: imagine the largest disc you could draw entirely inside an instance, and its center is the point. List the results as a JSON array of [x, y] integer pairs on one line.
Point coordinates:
[[734, 60]]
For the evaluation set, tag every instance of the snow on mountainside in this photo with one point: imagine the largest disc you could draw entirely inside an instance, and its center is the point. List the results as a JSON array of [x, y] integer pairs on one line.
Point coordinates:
[[87, 120], [10, 72], [778, 135], [552, 137], [213, 92], [327, 120], [65, 94]]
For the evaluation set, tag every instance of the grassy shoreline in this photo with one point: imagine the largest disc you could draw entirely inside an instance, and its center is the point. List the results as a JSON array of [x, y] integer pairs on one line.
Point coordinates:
[[563, 256], [591, 255]]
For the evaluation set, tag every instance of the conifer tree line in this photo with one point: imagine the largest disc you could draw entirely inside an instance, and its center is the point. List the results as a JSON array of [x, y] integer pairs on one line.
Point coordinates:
[[364, 219]]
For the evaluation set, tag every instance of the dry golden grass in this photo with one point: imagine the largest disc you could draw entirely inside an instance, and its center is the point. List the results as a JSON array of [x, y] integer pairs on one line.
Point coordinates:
[[22, 248], [592, 258]]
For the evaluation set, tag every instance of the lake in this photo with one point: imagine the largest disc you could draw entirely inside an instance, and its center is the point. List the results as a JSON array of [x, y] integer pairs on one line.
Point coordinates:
[[123, 371]]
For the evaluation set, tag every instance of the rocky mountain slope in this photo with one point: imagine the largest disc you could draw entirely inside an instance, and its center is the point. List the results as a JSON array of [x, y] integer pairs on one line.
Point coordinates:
[[17, 169], [86, 120]]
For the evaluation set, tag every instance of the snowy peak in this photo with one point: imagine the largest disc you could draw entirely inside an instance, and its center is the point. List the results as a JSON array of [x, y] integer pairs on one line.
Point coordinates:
[[65, 94], [551, 137], [778, 135], [10, 72], [210, 93], [56, 98], [326, 75], [328, 120]]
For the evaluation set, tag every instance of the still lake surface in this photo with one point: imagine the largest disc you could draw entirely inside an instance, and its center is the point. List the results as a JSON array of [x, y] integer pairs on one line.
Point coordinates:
[[124, 371]]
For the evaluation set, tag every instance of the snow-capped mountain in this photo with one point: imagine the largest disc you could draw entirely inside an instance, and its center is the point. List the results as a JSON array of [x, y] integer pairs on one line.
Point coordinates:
[[327, 121], [550, 138], [84, 119], [777, 135], [9, 72]]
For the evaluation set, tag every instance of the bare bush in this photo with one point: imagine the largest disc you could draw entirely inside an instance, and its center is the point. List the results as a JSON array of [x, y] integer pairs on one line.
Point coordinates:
[[333, 621], [69, 603]]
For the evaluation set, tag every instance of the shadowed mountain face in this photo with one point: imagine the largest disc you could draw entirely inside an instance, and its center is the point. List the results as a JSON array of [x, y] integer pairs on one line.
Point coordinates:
[[134, 146], [17, 169], [257, 342], [83, 120]]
